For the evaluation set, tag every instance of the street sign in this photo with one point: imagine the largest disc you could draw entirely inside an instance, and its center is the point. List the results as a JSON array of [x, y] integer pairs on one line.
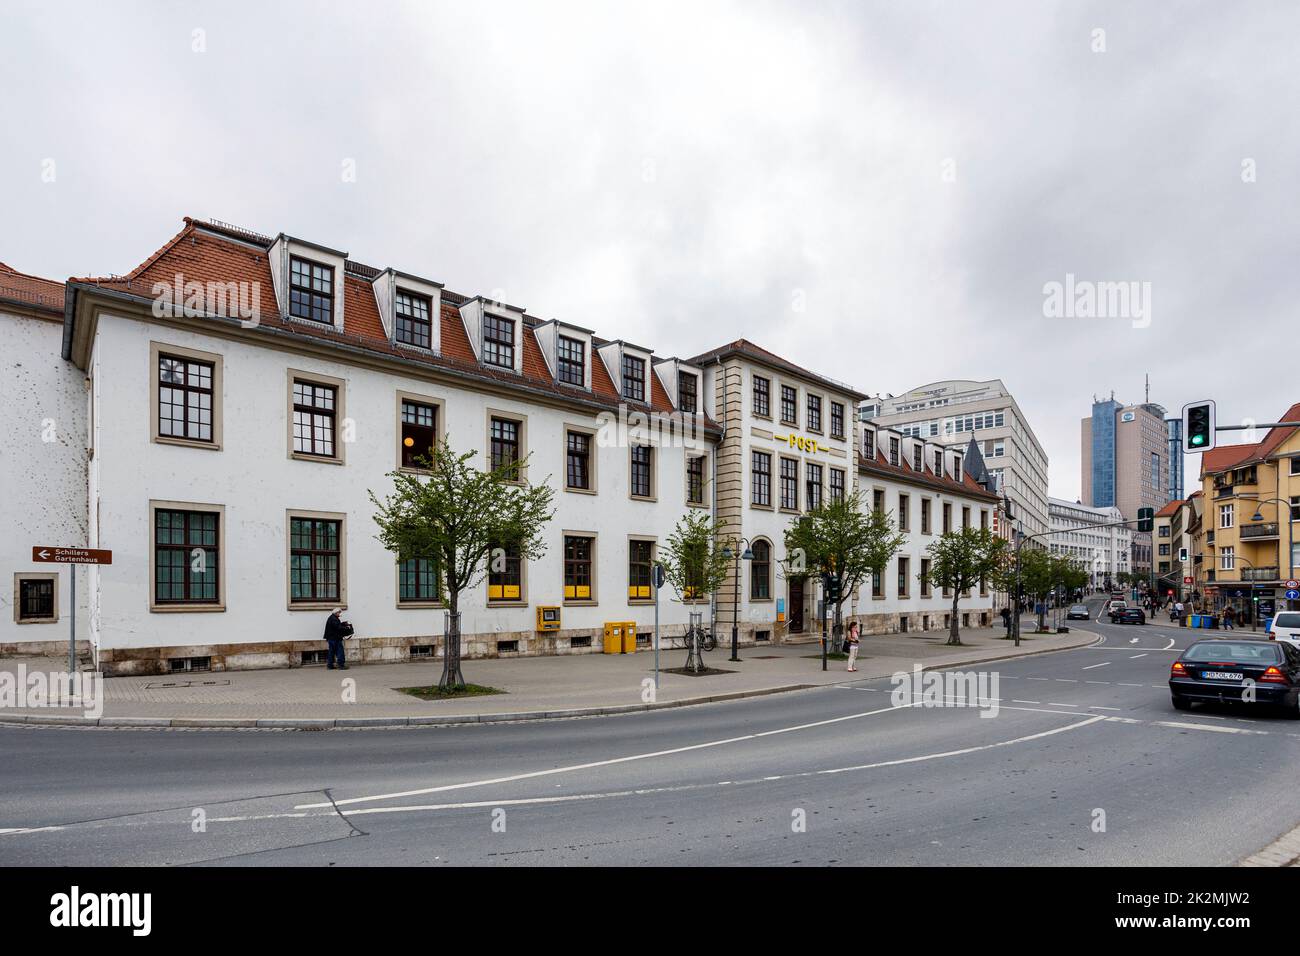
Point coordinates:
[[1292, 585], [1187, 580], [53, 555], [657, 575], [1293, 595]]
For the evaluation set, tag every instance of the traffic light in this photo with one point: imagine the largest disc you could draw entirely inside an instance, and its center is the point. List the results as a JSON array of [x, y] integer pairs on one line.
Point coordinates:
[[1198, 426], [1146, 519]]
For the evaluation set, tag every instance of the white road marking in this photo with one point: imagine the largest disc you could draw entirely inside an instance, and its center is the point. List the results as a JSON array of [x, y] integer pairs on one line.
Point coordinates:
[[1136, 656], [1218, 730], [1014, 701], [1100, 707], [1102, 664], [1170, 644], [1132, 640], [598, 763]]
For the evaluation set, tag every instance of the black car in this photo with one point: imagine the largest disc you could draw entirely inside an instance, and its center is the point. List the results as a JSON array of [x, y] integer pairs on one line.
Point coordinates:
[[1078, 612], [1128, 615], [1237, 671]]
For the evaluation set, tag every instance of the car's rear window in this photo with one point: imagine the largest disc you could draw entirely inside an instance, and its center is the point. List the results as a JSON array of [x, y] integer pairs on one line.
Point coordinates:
[[1246, 652], [1287, 619]]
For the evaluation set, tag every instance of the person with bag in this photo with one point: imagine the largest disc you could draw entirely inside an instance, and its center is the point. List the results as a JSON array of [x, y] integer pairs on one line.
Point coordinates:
[[851, 641], [336, 629]]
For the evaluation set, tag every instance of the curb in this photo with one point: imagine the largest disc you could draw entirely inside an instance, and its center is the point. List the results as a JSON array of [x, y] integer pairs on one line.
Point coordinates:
[[1284, 851], [439, 720]]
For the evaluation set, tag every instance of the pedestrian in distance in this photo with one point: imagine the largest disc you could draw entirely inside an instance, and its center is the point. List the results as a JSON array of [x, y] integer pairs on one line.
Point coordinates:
[[1006, 619], [1229, 618], [852, 640], [336, 629]]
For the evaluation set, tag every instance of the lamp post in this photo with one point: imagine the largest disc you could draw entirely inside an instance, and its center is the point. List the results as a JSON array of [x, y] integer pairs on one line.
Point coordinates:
[[746, 555], [1290, 535], [1254, 613]]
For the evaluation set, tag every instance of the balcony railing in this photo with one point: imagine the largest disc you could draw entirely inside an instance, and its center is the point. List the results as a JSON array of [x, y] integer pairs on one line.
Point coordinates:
[[1259, 574], [1263, 529], [1223, 491]]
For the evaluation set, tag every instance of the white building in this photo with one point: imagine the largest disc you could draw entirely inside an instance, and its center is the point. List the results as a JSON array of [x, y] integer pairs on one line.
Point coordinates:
[[1103, 551], [225, 410], [925, 486], [951, 412], [42, 467]]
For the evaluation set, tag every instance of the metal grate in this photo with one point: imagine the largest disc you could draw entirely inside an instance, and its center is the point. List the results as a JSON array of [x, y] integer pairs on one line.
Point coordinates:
[[580, 641], [315, 657], [507, 647], [186, 664], [421, 650]]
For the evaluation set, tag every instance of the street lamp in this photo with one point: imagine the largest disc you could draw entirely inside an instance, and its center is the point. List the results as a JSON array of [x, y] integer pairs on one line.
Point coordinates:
[[1290, 534], [746, 555], [1254, 612]]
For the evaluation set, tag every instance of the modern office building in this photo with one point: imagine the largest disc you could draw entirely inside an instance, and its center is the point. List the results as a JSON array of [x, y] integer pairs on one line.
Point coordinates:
[[950, 413], [1124, 463], [1090, 538]]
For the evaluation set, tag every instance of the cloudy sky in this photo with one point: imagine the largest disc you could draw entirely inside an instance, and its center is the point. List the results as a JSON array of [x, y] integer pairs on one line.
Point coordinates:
[[879, 191]]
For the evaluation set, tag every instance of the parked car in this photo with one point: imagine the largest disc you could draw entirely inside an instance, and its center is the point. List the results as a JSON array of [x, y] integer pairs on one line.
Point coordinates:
[[1238, 671], [1078, 612], [1286, 627], [1128, 615]]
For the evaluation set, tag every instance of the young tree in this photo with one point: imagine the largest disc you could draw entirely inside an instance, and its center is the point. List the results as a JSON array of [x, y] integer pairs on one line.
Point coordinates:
[[693, 560], [959, 560], [1039, 573], [461, 518], [844, 543]]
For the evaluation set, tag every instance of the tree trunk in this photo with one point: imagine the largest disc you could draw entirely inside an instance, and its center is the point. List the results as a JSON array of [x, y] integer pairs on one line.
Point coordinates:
[[837, 630], [452, 679], [954, 637]]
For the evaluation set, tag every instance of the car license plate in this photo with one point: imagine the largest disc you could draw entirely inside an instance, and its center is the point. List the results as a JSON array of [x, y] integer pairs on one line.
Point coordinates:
[[1220, 675]]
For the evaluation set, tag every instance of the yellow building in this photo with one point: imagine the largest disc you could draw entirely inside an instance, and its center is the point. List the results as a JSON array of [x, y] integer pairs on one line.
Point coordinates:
[[1251, 510]]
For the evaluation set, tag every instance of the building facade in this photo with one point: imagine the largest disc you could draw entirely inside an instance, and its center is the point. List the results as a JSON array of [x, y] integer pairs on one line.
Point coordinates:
[[1090, 537], [1125, 463], [42, 468], [225, 411], [1247, 539], [951, 413]]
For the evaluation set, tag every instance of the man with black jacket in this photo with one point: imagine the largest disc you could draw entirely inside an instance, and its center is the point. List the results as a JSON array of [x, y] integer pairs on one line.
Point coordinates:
[[336, 629]]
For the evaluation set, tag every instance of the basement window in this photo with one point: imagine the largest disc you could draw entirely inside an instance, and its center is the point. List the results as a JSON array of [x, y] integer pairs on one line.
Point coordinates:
[[643, 640], [762, 635], [421, 650], [315, 657], [186, 664], [507, 647], [584, 641]]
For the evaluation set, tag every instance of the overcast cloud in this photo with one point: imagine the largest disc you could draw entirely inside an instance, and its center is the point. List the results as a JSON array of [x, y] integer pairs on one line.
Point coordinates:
[[682, 175]]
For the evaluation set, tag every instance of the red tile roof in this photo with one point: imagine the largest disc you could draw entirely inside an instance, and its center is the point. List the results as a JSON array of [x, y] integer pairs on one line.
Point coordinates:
[[903, 471], [1171, 509], [1224, 457], [30, 290], [206, 253], [758, 353]]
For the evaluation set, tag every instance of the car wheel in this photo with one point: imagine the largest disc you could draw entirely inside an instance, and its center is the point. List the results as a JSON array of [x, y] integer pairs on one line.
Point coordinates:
[[1180, 703]]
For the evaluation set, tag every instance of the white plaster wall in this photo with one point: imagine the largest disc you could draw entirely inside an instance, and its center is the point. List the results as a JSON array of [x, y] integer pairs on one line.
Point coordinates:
[[257, 482], [42, 467]]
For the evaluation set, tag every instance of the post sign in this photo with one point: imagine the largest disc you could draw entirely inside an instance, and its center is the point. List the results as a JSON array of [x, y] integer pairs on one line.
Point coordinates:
[[1187, 580], [53, 555]]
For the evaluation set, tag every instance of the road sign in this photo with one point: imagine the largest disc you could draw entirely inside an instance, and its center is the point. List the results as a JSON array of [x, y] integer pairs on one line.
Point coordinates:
[[53, 555], [1187, 580], [1293, 585], [657, 575], [1293, 595]]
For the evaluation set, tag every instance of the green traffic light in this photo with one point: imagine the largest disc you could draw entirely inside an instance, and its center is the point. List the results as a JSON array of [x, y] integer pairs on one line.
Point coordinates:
[[1198, 439]]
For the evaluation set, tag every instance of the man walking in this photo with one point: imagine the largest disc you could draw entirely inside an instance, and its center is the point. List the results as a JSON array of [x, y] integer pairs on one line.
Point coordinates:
[[1006, 619], [336, 629]]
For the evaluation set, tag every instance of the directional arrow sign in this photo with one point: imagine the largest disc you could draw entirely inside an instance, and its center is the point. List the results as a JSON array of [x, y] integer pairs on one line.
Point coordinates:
[[54, 555]]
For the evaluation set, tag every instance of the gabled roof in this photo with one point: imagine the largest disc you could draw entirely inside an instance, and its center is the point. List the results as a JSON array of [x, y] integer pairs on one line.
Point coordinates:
[[904, 471], [1171, 509], [747, 349], [1225, 457], [211, 252], [20, 288]]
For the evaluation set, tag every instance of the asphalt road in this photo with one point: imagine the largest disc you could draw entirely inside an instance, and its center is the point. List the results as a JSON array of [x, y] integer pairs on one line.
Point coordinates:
[[836, 775]]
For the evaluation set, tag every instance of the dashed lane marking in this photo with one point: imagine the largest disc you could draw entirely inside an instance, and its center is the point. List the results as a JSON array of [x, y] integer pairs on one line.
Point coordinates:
[[1102, 664]]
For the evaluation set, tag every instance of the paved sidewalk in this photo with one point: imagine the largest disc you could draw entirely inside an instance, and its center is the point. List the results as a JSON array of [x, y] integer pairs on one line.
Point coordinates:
[[534, 687]]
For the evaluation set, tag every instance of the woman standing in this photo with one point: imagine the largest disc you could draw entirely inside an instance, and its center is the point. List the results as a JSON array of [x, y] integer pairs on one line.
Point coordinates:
[[851, 641]]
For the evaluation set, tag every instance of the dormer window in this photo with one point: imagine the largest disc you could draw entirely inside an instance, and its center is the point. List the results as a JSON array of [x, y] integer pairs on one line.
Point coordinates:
[[414, 323], [633, 378], [956, 467], [688, 393], [311, 290], [498, 341], [570, 361]]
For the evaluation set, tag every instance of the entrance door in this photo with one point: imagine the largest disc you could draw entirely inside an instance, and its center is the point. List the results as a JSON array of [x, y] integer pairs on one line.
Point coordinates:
[[796, 607]]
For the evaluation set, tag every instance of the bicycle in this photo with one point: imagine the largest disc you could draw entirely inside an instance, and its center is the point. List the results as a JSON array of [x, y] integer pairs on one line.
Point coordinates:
[[704, 640]]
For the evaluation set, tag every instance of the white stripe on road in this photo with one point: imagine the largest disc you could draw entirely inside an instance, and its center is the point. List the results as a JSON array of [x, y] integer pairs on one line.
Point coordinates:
[[1217, 730], [1102, 664], [598, 763], [1136, 656]]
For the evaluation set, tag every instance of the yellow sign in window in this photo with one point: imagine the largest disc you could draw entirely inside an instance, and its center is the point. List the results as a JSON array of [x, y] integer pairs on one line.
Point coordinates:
[[503, 592], [577, 592], [639, 592]]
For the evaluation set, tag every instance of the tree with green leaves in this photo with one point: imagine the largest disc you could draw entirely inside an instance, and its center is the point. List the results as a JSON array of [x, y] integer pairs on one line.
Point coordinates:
[[694, 561], [844, 543], [462, 520], [959, 560]]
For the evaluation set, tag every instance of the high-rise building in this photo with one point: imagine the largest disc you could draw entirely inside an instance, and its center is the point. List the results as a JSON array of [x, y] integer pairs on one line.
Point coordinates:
[[1124, 459], [951, 413]]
